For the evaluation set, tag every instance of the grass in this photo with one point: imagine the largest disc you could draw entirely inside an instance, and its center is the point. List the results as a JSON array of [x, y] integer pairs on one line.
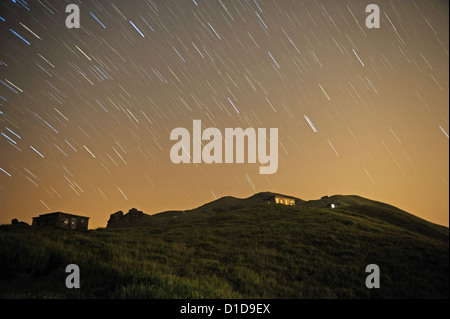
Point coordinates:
[[265, 251]]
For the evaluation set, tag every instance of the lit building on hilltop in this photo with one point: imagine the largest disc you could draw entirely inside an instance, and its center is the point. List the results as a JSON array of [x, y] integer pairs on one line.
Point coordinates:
[[333, 205], [284, 200]]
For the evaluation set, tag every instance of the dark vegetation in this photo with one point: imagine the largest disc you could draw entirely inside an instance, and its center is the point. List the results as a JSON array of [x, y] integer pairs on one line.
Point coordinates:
[[235, 248]]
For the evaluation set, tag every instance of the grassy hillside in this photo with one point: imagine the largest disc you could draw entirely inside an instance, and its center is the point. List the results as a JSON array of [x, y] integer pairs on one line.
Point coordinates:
[[227, 203], [262, 251], [358, 206]]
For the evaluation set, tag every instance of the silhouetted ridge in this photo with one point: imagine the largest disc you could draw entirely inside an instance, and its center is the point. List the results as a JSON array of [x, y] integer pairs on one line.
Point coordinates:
[[350, 205]]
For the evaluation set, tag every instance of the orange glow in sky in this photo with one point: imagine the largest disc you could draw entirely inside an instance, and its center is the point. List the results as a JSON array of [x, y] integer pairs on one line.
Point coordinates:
[[86, 114]]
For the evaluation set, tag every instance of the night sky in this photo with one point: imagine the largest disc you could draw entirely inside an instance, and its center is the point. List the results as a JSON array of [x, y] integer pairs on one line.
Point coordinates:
[[86, 114]]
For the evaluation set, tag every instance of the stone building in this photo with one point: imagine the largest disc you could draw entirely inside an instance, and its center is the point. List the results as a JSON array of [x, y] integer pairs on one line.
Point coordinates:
[[62, 220]]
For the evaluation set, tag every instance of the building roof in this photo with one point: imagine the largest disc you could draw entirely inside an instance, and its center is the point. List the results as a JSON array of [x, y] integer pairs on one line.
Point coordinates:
[[58, 213]]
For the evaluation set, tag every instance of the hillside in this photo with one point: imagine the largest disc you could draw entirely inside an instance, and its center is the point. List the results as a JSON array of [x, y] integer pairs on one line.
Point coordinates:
[[136, 218], [231, 203], [248, 249]]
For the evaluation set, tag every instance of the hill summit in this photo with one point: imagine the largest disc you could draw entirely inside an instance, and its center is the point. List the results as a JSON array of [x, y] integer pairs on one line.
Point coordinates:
[[350, 205]]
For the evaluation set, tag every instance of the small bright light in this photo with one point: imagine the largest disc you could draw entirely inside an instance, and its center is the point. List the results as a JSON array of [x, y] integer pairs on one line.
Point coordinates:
[[333, 206]]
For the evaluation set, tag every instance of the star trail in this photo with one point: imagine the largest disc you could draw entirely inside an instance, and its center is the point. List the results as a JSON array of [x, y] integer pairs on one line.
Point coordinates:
[[86, 113]]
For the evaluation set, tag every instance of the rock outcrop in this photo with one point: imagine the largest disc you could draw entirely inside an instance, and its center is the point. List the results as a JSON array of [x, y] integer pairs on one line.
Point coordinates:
[[15, 221], [119, 218]]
